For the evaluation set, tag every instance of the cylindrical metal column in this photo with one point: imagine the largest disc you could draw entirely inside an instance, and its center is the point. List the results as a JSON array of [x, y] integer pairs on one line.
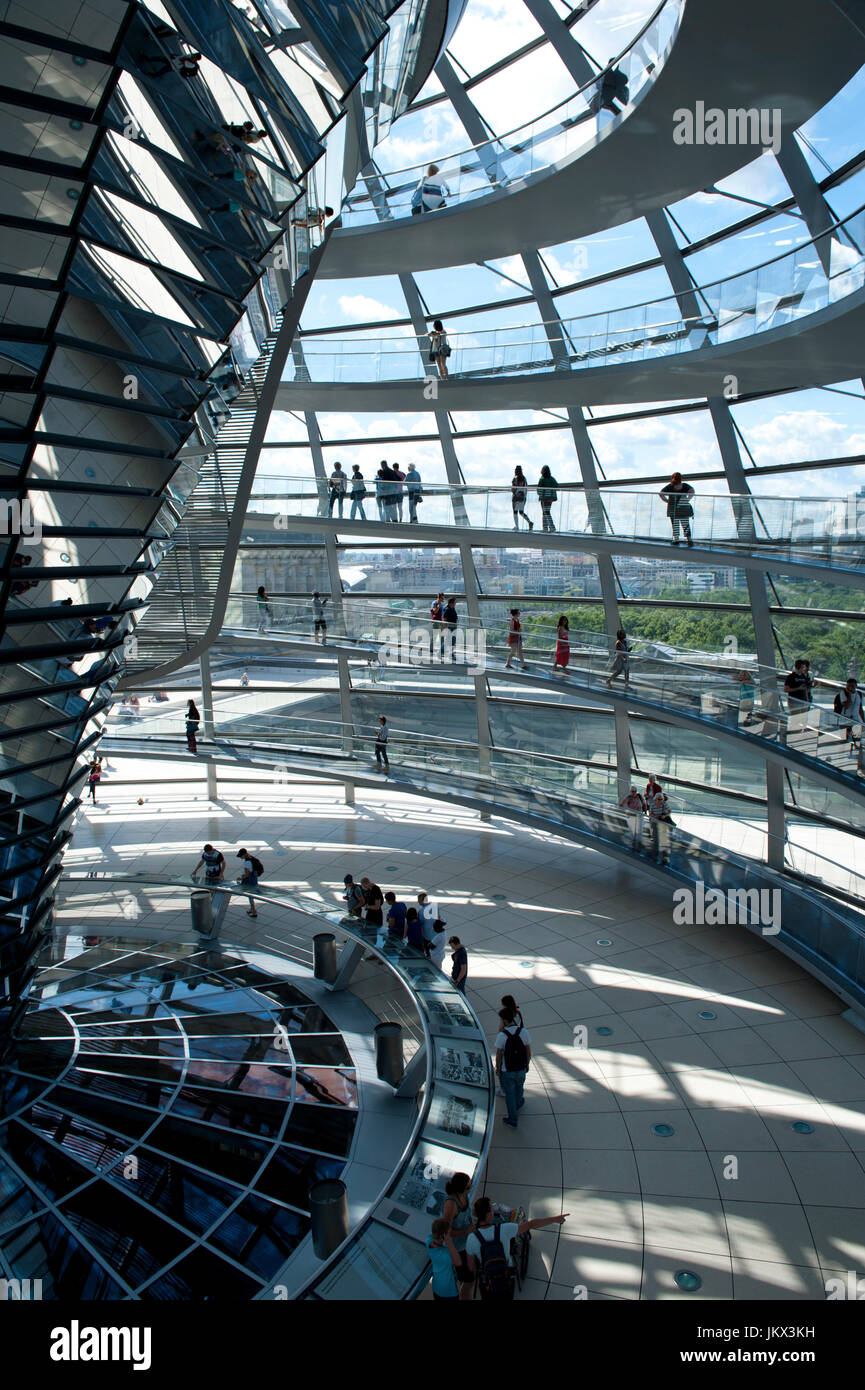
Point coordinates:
[[201, 907], [324, 957], [389, 1064], [328, 1207]]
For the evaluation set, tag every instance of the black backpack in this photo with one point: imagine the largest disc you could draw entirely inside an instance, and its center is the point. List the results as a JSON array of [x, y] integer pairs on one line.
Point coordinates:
[[495, 1278], [257, 866], [516, 1058]]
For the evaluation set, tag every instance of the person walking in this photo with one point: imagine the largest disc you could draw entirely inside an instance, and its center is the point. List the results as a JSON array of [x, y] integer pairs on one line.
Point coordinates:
[[193, 720], [213, 861], [450, 618], [439, 348], [848, 706], [354, 897], [94, 777], [262, 603], [252, 871], [488, 1248], [653, 786], [459, 963], [445, 1261], [515, 640], [677, 495], [513, 1056], [319, 621], [563, 644], [519, 493], [381, 759], [395, 915], [336, 489], [662, 824], [358, 493], [374, 903], [437, 627], [621, 664], [635, 808], [414, 490], [430, 193], [547, 495]]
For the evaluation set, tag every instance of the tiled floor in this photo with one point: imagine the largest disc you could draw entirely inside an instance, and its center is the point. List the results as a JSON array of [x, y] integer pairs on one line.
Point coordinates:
[[734, 1194]]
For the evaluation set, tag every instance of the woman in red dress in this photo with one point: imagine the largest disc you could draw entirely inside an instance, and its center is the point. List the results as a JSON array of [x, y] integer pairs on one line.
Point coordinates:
[[563, 644], [515, 640]]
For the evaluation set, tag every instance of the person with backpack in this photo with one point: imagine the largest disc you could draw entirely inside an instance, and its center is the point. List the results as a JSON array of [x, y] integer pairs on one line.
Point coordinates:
[[358, 493], [354, 897], [513, 1055], [488, 1248], [677, 495], [374, 900], [414, 933], [252, 871]]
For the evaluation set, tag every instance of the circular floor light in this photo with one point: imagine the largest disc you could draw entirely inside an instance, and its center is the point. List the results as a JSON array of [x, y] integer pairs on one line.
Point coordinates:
[[687, 1280], [802, 1127], [707, 1013], [603, 941], [604, 1032], [663, 1131], [499, 896]]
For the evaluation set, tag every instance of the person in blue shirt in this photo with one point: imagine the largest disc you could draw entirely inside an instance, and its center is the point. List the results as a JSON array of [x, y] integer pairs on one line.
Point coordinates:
[[443, 1258], [395, 915]]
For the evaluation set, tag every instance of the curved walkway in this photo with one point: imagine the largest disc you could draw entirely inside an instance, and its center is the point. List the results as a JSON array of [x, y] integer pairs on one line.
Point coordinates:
[[638, 364], [825, 936], [796, 743], [634, 166]]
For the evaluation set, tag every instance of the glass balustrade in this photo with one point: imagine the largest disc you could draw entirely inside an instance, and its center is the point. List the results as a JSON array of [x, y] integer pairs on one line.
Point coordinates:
[[827, 530], [442, 1039], [557, 136], [526, 781], [740, 695], [779, 293]]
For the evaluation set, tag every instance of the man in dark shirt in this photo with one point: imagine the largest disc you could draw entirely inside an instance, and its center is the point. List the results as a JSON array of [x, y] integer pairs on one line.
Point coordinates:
[[797, 687], [459, 963], [374, 902]]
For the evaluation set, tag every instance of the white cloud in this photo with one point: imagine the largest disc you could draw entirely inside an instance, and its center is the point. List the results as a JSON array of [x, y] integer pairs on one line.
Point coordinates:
[[360, 308]]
